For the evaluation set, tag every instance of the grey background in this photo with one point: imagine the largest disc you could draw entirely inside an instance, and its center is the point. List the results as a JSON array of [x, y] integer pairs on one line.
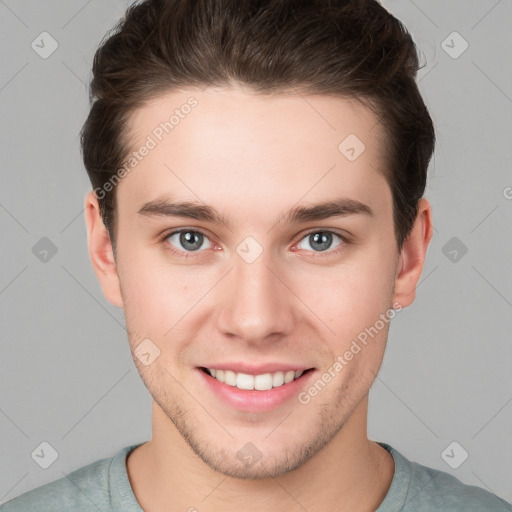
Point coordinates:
[[67, 376]]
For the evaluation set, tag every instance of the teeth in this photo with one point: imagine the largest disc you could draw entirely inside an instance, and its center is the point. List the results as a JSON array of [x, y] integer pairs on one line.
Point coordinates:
[[263, 382], [260, 382], [289, 376], [243, 381], [277, 379], [230, 378]]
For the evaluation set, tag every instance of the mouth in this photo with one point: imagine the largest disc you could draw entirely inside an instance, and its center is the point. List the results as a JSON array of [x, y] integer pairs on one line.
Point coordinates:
[[257, 382]]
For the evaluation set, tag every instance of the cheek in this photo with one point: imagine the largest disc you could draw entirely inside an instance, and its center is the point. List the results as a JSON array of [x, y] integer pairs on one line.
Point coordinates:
[[348, 297], [356, 306], [158, 296], [156, 303]]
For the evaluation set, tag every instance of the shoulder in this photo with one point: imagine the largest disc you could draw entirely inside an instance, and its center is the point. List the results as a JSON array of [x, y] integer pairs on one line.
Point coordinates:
[[85, 489], [442, 491], [422, 488]]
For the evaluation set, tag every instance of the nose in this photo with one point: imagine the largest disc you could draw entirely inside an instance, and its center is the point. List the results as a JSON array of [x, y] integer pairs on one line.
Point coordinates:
[[255, 301]]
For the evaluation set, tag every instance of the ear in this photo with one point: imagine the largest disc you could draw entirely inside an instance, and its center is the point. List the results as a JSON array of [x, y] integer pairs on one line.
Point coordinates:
[[101, 251], [412, 256]]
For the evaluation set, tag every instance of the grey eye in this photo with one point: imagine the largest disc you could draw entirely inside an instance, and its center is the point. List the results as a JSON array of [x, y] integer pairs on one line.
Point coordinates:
[[320, 240], [189, 239]]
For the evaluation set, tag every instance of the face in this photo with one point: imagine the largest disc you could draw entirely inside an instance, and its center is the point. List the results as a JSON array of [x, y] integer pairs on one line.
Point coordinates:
[[264, 290]]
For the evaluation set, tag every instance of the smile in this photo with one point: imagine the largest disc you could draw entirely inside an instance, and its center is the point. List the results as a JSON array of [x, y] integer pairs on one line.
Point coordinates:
[[260, 382]]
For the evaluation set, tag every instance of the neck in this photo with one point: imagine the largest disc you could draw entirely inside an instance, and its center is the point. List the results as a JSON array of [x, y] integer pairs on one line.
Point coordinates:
[[349, 473]]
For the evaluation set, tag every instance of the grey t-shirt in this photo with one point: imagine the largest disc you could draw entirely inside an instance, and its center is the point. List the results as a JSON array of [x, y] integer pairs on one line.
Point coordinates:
[[104, 486]]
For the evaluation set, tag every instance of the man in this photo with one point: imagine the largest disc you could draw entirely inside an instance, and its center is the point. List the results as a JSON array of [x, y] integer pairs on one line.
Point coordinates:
[[258, 172]]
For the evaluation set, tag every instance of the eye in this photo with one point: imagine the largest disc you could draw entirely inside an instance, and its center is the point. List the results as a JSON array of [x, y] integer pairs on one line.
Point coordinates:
[[320, 241], [189, 240]]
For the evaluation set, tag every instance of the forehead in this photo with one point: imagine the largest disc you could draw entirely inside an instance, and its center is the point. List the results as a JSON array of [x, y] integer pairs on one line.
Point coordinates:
[[232, 147]]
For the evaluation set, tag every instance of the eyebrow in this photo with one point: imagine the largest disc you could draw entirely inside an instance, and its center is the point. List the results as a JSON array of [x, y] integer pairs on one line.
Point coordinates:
[[341, 207]]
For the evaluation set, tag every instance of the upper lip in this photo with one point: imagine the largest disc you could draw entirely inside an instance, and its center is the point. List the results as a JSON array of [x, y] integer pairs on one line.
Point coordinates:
[[253, 369]]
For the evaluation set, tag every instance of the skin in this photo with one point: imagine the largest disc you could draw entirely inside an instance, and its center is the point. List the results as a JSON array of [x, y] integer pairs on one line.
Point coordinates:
[[253, 158]]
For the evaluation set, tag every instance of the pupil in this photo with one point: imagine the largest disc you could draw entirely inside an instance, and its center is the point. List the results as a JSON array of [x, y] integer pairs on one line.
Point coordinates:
[[323, 239], [190, 237]]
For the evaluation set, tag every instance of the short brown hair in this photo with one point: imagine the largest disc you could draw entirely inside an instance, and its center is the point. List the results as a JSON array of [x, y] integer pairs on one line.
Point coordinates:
[[347, 48]]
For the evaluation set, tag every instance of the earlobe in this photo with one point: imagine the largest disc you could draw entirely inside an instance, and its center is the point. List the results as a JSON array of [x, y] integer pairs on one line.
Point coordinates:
[[101, 251], [412, 256]]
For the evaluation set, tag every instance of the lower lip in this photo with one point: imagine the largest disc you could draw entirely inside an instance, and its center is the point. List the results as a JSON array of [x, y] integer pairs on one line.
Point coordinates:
[[254, 400]]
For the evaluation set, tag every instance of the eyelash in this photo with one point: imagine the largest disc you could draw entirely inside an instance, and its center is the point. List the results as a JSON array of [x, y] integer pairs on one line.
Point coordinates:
[[191, 254]]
